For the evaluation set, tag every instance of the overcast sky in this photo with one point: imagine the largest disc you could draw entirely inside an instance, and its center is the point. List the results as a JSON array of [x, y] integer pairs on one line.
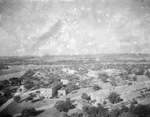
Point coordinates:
[[39, 27]]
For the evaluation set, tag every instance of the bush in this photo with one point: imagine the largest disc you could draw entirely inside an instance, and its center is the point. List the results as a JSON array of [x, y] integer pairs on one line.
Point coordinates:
[[85, 96], [4, 84], [64, 106], [140, 110], [114, 113], [17, 98], [124, 108], [96, 87], [15, 81], [138, 71], [148, 74], [134, 78], [28, 84], [7, 93], [93, 111], [103, 77], [70, 87], [130, 83], [114, 98], [113, 83]]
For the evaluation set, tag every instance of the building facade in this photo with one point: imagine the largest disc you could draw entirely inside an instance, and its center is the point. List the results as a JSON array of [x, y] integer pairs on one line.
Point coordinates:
[[62, 93], [50, 92]]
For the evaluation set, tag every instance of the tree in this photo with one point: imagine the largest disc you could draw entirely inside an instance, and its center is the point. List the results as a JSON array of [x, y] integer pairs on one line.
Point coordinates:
[[134, 78], [4, 83], [142, 110], [113, 82], [64, 106], [138, 71], [85, 96], [96, 87], [93, 111], [148, 74], [15, 81], [132, 108], [114, 113], [124, 108], [103, 77], [7, 93], [85, 109], [104, 102], [17, 98], [114, 98], [28, 84], [71, 86]]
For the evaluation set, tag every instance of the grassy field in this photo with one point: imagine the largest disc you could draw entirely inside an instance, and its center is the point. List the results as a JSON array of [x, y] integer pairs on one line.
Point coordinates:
[[50, 113], [15, 108], [7, 76]]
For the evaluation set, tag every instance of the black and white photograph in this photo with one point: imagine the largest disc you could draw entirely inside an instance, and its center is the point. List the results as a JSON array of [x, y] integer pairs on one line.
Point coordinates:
[[74, 58]]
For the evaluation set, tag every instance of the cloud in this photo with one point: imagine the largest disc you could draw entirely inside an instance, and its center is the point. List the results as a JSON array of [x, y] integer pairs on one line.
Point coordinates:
[[53, 31]]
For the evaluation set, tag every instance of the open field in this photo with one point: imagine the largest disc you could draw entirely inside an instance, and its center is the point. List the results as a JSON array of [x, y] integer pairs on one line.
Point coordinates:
[[15, 108], [18, 74], [50, 113]]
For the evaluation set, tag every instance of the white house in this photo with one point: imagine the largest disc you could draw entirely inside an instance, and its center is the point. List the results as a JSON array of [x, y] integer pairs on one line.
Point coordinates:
[[64, 81]]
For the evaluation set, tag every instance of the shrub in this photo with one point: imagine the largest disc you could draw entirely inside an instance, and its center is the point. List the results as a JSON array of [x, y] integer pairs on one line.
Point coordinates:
[[103, 77], [28, 84], [85, 96], [130, 83], [140, 110], [134, 78], [148, 74], [114, 98], [114, 113], [17, 98], [96, 87], [93, 111], [64, 106], [15, 81], [7, 93], [124, 108], [138, 71], [113, 83]]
